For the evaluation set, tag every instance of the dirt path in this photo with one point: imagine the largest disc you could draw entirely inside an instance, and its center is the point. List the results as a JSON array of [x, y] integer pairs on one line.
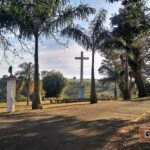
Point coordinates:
[[79, 127]]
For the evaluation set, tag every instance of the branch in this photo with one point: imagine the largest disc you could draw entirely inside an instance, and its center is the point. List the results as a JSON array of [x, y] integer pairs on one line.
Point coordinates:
[[58, 41], [22, 44]]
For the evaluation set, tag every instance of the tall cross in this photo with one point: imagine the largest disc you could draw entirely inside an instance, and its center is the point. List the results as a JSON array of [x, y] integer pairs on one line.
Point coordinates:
[[81, 93]]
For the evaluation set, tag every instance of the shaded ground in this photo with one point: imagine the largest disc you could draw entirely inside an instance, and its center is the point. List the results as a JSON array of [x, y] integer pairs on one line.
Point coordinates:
[[78, 127]]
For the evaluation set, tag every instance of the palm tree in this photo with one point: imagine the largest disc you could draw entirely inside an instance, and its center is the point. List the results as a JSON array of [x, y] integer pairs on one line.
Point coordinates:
[[42, 18], [93, 41], [26, 73]]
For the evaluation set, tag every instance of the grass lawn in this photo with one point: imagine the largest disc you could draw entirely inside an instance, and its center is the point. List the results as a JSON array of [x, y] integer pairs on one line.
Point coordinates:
[[77, 126]]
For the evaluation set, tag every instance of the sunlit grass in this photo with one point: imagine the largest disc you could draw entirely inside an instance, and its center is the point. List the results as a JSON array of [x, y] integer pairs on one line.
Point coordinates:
[[141, 99], [22, 107]]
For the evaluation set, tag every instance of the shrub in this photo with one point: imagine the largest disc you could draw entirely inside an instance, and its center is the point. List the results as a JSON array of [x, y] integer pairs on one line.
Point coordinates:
[[21, 98], [53, 84]]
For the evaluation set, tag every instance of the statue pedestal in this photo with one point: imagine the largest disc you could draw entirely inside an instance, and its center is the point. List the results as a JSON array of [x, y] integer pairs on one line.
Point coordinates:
[[81, 92], [11, 93]]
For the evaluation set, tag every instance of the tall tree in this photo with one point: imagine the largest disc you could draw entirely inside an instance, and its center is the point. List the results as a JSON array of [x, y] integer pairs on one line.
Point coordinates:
[[42, 18], [92, 40], [131, 26], [114, 68], [26, 74]]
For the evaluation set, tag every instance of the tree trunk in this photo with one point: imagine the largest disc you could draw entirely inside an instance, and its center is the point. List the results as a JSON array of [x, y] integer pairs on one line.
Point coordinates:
[[140, 84], [126, 83], [93, 98], [136, 69], [28, 99], [121, 85], [115, 90], [121, 88], [28, 92], [36, 102]]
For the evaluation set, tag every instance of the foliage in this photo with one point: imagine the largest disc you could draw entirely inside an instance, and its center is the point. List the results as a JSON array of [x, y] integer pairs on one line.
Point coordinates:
[[124, 2], [31, 89], [8, 30], [147, 85], [5, 23], [113, 67], [27, 70], [3, 83], [43, 18], [113, 70], [130, 33], [54, 83], [72, 89], [25, 76], [21, 98], [93, 39]]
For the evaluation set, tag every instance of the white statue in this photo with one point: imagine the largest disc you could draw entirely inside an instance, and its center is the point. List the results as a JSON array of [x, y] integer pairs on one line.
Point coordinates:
[[11, 91]]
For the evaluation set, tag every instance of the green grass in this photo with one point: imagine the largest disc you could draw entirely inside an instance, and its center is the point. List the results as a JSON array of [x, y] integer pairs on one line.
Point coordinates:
[[141, 99]]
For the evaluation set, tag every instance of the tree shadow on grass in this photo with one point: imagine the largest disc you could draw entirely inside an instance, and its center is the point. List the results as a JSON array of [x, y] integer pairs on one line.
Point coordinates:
[[58, 133]]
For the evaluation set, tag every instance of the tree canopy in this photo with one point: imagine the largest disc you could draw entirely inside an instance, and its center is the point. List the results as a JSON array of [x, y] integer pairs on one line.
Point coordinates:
[[131, 28], [54, 83], [124, 2], [42, 18]]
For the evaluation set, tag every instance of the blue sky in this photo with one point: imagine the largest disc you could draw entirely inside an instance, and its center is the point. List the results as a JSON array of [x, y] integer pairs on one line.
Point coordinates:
[[52, 56]]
